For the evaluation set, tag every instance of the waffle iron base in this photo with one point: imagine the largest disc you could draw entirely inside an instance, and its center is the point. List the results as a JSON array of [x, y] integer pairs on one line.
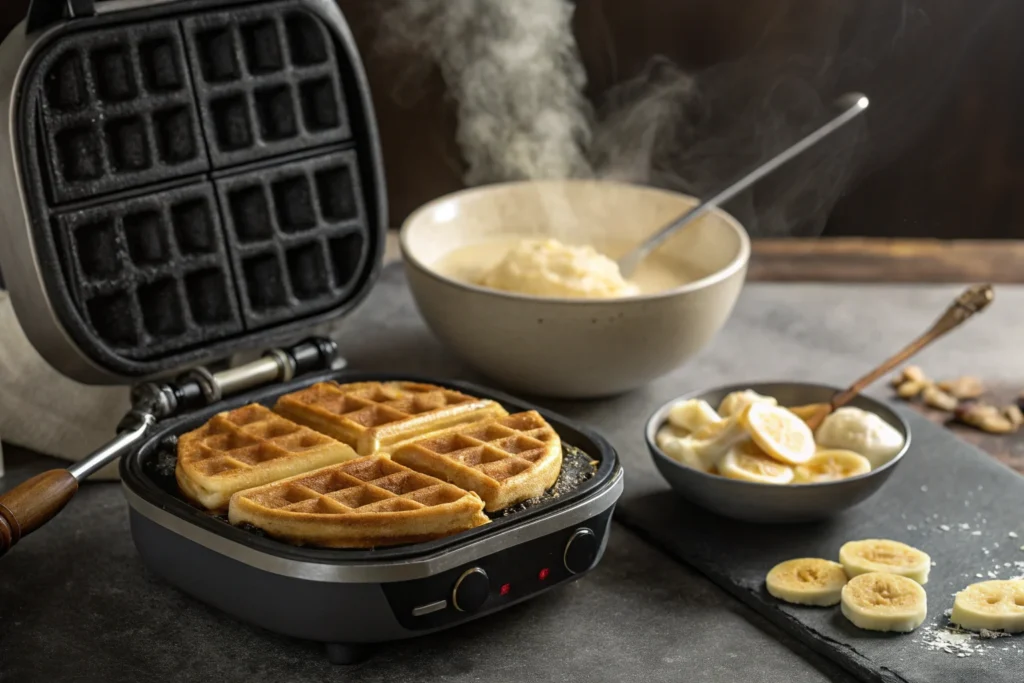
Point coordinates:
[[350, 599]]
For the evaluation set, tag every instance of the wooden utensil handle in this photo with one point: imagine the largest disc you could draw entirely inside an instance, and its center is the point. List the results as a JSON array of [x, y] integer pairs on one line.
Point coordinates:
[[33, 503], [973, 300]]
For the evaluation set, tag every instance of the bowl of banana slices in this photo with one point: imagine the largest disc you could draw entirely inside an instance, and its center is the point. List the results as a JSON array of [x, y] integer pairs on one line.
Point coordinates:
[[747, 452]]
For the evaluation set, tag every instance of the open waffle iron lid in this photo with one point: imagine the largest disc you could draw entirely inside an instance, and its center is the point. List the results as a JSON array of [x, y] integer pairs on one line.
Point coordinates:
[[184, 179]]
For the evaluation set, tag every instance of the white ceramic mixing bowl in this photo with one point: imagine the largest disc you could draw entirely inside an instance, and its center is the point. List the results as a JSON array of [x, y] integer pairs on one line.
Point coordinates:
[[574, 348]]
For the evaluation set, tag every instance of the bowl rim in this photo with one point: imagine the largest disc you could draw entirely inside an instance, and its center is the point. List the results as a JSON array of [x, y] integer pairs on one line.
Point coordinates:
[[737, 263], [659, 418]]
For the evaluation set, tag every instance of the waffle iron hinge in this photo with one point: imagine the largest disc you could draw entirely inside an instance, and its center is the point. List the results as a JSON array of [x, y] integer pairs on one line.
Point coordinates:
[[32, 503]]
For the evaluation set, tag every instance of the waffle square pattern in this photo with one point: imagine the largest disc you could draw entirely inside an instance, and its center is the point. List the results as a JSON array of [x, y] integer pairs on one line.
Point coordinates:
[[505, 460], [376, 416], [368, 464], [366, 502], [249, 447]]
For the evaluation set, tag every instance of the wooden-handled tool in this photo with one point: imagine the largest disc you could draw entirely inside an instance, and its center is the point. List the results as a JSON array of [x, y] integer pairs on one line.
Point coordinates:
[[973, 300], [33, 503]]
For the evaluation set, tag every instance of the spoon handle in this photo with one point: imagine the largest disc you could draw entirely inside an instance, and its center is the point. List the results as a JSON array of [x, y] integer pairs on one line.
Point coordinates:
[[853, 104], [973, 300]]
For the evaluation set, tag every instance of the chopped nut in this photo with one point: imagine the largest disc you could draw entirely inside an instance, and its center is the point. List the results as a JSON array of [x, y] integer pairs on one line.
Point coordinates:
[[909, 390], [986, 418], [911, 373], [1014, 414], [939, 399], [963, 387]]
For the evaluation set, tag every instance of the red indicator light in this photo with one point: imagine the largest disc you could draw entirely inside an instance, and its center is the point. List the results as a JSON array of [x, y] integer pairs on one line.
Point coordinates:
[[505, 588], [543, 573]]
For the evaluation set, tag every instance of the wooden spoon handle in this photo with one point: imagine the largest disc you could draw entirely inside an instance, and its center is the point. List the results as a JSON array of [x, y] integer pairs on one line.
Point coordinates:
[[33, 503], [973, 300]]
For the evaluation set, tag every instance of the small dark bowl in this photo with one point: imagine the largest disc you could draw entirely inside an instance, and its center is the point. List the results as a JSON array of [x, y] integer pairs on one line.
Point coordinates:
[[768, 503]]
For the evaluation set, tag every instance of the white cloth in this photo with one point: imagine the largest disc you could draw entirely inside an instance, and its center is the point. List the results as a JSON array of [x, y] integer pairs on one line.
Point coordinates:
[[43, 410]]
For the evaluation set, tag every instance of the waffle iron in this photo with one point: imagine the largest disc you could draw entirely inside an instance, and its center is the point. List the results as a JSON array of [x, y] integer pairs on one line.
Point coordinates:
[[183, 180]]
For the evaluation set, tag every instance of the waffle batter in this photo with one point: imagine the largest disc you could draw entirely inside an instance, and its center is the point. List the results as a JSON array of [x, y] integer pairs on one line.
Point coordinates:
[[549, 268]]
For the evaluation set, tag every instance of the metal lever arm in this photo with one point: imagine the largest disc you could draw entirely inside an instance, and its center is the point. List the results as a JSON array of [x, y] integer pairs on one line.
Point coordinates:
[[32, 503]]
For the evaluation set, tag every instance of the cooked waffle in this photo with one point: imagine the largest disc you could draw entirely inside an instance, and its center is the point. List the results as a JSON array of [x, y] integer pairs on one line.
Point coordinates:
[[374, 416], [505, 460], [248, 447], [363, 503]]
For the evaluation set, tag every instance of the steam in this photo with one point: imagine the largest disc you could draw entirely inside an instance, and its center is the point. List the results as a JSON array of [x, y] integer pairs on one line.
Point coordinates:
[[513, 68]]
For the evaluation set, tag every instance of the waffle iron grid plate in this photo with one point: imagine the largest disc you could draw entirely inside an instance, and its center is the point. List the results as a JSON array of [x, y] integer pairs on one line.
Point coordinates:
[[198, 177]]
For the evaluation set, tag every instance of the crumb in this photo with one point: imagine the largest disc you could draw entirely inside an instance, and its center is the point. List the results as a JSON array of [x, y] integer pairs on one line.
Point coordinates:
[[975, 533], [991, 635], [1012, 534], [924, 488], [944, 527]]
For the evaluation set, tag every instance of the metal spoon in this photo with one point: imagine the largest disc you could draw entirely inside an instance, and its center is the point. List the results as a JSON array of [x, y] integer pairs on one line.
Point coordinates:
[[852, 105]]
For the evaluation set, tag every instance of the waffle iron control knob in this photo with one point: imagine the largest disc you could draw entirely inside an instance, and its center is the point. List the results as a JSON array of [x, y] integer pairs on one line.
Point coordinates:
[[471, 590], [580, 551]]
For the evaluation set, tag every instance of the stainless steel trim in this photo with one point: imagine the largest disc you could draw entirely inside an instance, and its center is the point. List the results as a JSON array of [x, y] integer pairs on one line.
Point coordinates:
[[455, 590], [238, 379], [18, 258], [429, 608], [565, 554], [406, 570]]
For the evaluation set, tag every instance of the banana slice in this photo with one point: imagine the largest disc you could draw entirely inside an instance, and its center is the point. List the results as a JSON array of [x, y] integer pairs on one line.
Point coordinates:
[[681, 449], [778, 432], [878, 601], [880, 555], [806, 411], [747, 462], [831, 465], [734, 403], [692, 414], [669, 431], [992, 605], [807, 581]]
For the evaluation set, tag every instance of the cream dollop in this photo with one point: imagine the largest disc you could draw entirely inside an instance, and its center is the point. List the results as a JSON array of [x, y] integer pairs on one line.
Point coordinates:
[[546, 267], [862, 432]]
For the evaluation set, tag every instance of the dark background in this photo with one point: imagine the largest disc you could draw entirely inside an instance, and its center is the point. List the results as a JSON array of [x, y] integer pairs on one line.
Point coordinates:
[[943, 154]]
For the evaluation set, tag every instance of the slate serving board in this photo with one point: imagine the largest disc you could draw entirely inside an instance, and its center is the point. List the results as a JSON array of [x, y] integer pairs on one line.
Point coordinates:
[[946, 497]]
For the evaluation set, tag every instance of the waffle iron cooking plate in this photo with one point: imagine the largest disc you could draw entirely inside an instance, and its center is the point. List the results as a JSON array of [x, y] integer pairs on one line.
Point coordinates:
[[183, 179]]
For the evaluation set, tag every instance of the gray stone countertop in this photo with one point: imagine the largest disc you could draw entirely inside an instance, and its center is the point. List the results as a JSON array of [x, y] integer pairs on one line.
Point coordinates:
[[77, 604]]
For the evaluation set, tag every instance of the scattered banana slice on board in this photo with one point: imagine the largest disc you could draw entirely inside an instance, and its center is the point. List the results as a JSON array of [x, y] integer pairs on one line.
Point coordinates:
[[807, 581], [779, 433], [880, 555], [878, 601], [992, 605], [747, 462], [831, 464], [692, 415]]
